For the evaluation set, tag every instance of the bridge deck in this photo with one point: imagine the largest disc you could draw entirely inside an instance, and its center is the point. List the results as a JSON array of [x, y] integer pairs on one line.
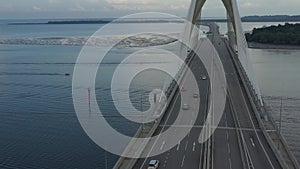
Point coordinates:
[[238, 141]]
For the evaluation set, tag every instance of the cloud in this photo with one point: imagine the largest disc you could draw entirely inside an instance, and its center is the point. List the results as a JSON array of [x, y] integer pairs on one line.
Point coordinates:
[[93, 1], [77, 8], [54, 1], [250, 5], [6, 8], [149, 4], [37, 9], [116, 8], [128, 2], [178, 7]]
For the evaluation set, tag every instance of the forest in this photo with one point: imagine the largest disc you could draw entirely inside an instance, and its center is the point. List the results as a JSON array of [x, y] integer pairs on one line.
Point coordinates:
[[288, 34]]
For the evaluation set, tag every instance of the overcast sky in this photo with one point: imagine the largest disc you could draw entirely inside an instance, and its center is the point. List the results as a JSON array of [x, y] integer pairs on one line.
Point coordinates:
[[117, 8]]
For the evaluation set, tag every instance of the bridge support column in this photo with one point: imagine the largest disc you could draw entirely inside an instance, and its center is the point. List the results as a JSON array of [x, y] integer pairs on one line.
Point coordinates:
[[191, 35], [231, 34]]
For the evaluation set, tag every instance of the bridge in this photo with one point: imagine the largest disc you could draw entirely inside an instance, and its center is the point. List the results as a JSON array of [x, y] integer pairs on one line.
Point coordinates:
[[246, 136]]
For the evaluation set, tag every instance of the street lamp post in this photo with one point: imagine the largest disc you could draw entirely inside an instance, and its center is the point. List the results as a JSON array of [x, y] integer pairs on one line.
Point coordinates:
[[141, 104], [280, 115]]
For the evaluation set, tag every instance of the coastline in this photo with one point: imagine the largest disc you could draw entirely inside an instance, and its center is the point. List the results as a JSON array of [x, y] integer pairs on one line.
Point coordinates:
[[255, 45]]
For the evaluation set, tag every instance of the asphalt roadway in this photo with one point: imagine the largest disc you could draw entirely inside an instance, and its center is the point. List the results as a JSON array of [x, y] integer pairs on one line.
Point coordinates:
[[256, 149], [188, 153], [237, 128]]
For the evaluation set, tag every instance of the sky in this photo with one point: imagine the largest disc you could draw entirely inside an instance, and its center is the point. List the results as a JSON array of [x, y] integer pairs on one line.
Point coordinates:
[[20, 9]]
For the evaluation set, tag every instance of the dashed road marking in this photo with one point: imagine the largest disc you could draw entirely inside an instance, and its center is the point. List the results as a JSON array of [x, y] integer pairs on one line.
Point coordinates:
[[163, 143], [178, 146], [186, 144], [182, 162], [227, 135], [230, 165], [228, 147], [194, 144], [252, 142]]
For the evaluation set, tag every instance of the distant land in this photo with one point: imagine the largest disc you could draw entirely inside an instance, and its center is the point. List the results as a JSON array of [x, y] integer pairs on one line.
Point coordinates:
[[266, 18], [63, 22], [272, 18], [285, 36], [103, 21]]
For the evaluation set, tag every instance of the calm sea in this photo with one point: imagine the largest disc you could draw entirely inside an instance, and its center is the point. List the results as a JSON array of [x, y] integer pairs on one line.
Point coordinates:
[[38, 125]]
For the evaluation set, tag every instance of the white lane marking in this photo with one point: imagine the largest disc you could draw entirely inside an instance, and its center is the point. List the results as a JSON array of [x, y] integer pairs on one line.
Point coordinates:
[[162, 145], [252, 142], [228, 148], [230, 165], [213, 127], [152, 146], [194, 144], [186, 144], [178, 146], [166, 159], [182, 162], [227, 135], [253, 126], [250, 165], [226, 123], [184, 80]]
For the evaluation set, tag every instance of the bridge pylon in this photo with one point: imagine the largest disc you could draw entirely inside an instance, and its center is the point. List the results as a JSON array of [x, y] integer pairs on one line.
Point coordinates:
[[235, 34]]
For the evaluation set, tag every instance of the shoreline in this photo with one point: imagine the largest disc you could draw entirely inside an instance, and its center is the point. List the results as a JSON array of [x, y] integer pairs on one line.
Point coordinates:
[[255, 45]]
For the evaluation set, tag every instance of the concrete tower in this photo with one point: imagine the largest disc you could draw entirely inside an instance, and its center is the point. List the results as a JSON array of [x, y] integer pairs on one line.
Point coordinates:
[[235, 32]]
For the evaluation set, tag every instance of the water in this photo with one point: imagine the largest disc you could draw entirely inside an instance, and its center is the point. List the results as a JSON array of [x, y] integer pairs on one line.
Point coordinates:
[[38, 125], [277, 72], [39, 128]]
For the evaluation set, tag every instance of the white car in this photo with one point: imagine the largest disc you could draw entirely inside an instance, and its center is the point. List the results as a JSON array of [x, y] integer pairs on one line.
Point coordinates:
[[204, 77], [153, 164], [185, 107], [196, 95]]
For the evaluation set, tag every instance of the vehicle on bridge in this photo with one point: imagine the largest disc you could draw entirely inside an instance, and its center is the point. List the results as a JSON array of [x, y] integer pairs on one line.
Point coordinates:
[[153, 164], [185, 107], [196, 95]]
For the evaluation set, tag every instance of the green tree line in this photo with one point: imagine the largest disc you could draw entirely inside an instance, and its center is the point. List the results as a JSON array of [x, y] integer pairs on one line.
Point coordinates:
[[288, 34]]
